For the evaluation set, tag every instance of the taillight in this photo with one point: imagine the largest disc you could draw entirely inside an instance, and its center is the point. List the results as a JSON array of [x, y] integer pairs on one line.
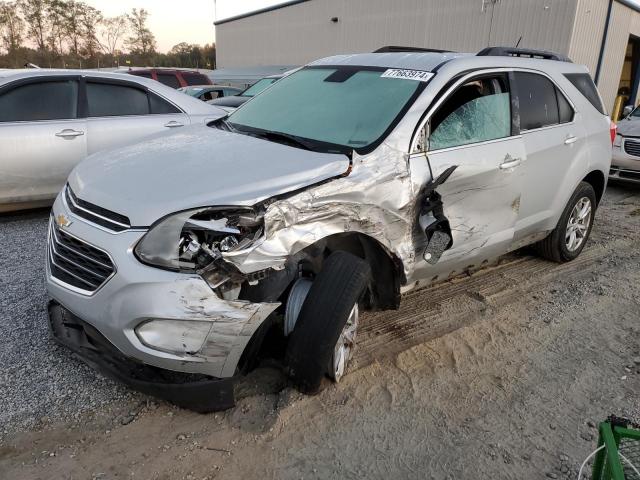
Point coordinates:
[[613, 130]]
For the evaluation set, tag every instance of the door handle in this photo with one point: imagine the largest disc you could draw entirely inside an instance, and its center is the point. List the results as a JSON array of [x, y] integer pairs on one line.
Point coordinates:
[[173, 124], [570, 139], [510, 162], [69, 133]]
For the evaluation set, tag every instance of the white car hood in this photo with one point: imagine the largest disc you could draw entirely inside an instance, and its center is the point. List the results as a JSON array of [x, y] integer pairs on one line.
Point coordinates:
[[629, 127], [197, 167]]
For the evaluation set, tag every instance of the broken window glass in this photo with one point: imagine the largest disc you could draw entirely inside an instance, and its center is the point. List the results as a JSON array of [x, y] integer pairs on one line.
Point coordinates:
[[484, 118]]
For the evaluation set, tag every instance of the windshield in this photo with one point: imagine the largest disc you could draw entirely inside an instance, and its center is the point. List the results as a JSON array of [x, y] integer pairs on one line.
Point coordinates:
[[257, 87], [635, 113], [344, 106]]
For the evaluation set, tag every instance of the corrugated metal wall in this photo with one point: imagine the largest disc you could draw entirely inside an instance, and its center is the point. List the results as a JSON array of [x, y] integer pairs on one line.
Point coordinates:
[[587, 32], [587, 38], [300, 33]]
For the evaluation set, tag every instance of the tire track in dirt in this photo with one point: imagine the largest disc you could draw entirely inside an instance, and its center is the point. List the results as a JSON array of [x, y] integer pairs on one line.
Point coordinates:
[[434, 311]]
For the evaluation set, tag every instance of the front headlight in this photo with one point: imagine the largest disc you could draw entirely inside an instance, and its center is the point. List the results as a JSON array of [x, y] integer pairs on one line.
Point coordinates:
[[617, 141], [194, 240]]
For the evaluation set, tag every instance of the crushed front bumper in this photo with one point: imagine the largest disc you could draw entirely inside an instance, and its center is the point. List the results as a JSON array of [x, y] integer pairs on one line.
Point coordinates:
[[192, 391], [130, 295]]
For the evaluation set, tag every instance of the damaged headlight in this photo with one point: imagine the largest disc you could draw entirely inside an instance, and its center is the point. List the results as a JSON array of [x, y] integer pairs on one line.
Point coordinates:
[[195, 240]]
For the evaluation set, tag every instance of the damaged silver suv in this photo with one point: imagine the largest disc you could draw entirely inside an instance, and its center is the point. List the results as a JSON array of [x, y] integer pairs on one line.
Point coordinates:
[[176, 264]]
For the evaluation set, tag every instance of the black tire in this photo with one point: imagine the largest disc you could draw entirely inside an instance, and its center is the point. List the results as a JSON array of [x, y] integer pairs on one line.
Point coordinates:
[[554, 247], [335, 290]]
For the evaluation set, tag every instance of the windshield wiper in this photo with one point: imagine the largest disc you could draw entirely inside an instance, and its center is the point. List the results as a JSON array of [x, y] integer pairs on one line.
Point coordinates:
[[291, 140], [279, 137]]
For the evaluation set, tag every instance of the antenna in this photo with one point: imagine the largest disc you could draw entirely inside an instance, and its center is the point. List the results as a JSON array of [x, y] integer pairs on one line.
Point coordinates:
[[518, 42]]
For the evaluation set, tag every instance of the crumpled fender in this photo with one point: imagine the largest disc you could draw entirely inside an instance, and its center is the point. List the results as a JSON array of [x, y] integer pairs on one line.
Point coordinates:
[[376, 199]]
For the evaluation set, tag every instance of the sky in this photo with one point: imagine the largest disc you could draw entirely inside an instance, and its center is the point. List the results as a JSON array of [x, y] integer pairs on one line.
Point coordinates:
[[188, 21]]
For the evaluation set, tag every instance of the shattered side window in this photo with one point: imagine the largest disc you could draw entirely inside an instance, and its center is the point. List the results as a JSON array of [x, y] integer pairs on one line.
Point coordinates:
[[481, 119]]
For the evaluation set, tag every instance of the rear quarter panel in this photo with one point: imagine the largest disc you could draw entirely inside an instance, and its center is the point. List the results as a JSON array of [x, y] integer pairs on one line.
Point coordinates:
[[595, 152]]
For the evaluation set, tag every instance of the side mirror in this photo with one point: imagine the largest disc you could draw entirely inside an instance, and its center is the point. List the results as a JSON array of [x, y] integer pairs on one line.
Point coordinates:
[[627, 111]]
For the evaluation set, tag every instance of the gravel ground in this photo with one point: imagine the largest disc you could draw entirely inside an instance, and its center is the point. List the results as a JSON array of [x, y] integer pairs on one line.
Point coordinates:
[[501, 374], [37, 387]]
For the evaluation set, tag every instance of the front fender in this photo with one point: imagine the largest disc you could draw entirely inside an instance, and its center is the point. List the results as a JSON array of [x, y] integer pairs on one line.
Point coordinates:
[[376, 199]]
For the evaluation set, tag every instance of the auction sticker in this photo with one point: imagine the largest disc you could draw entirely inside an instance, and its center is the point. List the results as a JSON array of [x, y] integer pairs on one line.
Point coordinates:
[[419, 75]]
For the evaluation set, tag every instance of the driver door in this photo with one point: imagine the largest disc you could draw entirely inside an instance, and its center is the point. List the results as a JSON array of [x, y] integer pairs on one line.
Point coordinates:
[[471, 129]]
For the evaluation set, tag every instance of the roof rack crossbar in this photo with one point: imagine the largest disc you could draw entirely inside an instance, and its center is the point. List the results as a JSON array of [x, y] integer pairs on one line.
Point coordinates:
[[397, 49], [522, 52]]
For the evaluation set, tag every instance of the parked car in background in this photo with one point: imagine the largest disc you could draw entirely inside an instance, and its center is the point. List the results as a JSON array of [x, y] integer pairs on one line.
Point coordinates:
[[233, 102], [343, 185], [50, 120], [626, 149], [172, 78], [210, 92]]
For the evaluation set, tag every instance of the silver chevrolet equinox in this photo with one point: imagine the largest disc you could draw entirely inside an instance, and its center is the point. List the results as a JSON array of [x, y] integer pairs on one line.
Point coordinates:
[[177, 264]]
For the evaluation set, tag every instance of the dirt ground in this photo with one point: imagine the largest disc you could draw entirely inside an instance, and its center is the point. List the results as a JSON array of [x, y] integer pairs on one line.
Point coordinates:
[[501, 374]]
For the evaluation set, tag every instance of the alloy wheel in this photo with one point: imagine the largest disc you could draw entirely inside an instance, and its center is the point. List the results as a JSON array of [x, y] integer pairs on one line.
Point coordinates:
[[578, 224]]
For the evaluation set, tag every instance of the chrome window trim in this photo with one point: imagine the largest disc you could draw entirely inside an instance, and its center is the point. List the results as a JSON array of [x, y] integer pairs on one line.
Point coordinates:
[[483, 71], [459, 147], [547, 127]]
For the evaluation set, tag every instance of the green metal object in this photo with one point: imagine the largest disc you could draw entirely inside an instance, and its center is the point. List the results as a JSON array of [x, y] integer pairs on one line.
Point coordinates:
[[619, 441]]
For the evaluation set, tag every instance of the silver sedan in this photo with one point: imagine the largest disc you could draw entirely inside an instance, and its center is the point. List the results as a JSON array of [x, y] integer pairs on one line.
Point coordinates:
[[50, 120]]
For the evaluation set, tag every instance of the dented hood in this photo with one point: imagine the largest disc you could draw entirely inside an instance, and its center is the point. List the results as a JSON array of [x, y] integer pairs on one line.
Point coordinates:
[[196, 167], [629, 127]]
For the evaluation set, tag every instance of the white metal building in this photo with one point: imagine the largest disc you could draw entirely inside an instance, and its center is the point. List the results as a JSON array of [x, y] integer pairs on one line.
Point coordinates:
[[603, 34]]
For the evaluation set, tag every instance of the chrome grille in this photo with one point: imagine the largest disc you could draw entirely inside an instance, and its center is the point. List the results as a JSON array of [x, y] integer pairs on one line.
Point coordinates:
[[76, 263], [95, 214], [632, 147]]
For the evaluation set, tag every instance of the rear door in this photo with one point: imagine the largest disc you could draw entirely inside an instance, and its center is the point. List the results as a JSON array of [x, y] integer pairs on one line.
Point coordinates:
[[554, 139], [472, 129], [120, 113], [41, 137]]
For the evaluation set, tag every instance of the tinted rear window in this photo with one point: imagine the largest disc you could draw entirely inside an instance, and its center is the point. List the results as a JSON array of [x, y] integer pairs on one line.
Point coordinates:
[[160, 105], [584, 84], [169, 79], [538, 101], [107, 100], [195, 79], [565, 109], [40, 101]]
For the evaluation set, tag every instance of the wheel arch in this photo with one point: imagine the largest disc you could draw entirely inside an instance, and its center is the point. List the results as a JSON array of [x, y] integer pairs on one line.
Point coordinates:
[[386, 268], [597, 179], [387, 275]]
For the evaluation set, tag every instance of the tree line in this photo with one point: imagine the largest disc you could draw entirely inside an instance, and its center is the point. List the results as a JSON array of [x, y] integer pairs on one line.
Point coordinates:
[[72, 34]]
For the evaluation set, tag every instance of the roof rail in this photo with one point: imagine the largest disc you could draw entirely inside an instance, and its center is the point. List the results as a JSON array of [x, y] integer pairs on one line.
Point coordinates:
[[394, 49], [522, 52]]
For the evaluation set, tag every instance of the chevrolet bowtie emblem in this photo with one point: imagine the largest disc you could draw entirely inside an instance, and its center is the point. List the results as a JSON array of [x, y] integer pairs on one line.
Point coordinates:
[[63, 221]]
